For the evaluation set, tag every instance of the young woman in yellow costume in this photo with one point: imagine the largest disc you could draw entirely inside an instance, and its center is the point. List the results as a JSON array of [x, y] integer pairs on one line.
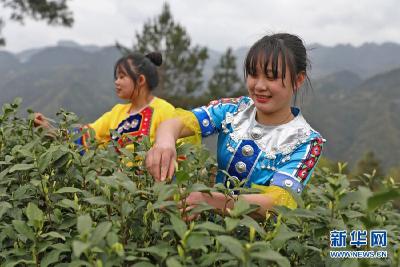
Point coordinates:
[[135, 78]]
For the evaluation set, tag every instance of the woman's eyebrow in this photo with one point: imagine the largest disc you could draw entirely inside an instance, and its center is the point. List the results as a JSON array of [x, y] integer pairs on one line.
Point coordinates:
[[270, 71]]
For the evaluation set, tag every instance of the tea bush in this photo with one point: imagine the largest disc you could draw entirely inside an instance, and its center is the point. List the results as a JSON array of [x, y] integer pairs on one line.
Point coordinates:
[[61, 208]]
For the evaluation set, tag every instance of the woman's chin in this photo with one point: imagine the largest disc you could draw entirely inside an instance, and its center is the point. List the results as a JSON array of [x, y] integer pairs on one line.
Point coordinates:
[[264, 107]]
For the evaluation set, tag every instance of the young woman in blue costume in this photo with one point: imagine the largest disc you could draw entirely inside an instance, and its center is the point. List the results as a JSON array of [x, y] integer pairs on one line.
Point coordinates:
[[261, 138], [135, 78]]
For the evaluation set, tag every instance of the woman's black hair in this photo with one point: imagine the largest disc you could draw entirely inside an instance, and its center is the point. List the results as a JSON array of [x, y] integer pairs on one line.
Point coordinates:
[[266, 52], [136, 64]]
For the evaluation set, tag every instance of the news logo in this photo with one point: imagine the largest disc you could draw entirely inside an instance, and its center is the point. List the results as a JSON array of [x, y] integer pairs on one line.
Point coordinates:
[[360, 240]]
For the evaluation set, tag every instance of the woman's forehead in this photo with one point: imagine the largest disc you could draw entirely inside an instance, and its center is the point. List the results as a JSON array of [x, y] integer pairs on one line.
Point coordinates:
[[121, 69], [270, 65]]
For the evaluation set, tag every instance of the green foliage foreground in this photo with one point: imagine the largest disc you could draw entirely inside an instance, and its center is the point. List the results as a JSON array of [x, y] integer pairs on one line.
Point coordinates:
[[58, 208]]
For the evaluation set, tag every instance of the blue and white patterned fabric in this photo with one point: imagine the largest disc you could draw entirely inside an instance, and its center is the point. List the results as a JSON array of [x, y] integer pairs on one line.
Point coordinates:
[[252, 153]]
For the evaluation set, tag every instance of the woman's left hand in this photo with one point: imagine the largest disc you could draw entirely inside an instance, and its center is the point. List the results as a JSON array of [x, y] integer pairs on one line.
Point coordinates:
[[191, 202]]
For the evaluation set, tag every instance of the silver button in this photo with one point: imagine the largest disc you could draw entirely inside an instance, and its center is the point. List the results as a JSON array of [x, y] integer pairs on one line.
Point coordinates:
[[205, 122], [235, 179], [247, 150], [288, 183], [134, 123], [256, 133], [232, 180], [270, 155], [298, 190], [240, 167], [126, 125]]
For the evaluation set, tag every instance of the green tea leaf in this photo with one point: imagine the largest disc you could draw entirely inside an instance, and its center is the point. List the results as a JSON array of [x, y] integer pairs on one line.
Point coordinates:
[[100, 232], [161, 250], [380, 198], [283, 234], [130, 186], [198, 240], [232, 245], [51, 257], [210, 226], [249, 222], [100, 200], [84, 224], [35, 216], [67, 203], [17, 102], [271, 255], [178, 225], [181, 177], [4, 207], [360, 196], [21, 167], [79, 247], [22, 228], [241, 207], [173, 262], [143, 264], [231, 223], [67, 190], [200, 188], [54, 235]]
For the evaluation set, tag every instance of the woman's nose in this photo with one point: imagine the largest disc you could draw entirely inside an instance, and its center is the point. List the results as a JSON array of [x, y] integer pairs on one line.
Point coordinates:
[[261, 85]]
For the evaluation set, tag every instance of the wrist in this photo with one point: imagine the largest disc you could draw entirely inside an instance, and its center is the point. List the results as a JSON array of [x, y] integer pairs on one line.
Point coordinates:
[[165, 140], [219, 201]]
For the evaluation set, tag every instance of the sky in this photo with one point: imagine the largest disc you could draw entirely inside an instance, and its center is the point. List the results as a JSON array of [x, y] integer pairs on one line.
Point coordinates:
[[217, 24]]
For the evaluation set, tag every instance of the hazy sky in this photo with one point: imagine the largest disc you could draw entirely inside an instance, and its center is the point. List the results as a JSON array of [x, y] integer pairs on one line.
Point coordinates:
[[218, 23]]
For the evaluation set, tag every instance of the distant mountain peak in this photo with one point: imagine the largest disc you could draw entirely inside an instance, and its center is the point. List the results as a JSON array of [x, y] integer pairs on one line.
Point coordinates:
[[68, 43]]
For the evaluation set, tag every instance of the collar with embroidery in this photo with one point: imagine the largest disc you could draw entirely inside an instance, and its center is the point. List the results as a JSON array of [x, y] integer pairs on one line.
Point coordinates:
[[281, 139]]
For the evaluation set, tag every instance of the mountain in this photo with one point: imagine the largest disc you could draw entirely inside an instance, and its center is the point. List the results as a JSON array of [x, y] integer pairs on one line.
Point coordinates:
[[355, 120], [353, 102], [66, 77], [366, 60]]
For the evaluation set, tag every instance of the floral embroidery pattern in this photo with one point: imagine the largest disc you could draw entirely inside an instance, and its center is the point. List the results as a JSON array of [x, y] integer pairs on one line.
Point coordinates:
[[135, 125], [309, 162], [225, 101]]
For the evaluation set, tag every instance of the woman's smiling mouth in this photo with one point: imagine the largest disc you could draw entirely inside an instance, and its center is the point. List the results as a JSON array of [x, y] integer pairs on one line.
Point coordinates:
[[262, 98]]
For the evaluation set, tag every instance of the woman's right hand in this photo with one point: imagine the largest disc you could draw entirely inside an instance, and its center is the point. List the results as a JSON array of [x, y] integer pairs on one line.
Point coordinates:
[[41, 121], [160, 160]]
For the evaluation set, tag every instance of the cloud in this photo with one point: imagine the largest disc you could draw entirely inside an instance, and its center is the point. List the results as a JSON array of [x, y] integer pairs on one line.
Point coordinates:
[[219, 23]]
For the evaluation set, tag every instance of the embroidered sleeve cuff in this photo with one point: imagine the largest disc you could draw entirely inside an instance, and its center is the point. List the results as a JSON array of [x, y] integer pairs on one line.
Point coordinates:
[[286, 182], [205, 121]]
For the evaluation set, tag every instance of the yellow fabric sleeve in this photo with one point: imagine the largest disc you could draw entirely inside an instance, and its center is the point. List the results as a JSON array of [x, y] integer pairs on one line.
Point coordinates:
[[102, 128], [280, 196], [162, 111], [190, 122]]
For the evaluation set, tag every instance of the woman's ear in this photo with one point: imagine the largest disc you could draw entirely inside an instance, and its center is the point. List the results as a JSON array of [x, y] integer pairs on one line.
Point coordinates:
[[300, 78], [141, 80]]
